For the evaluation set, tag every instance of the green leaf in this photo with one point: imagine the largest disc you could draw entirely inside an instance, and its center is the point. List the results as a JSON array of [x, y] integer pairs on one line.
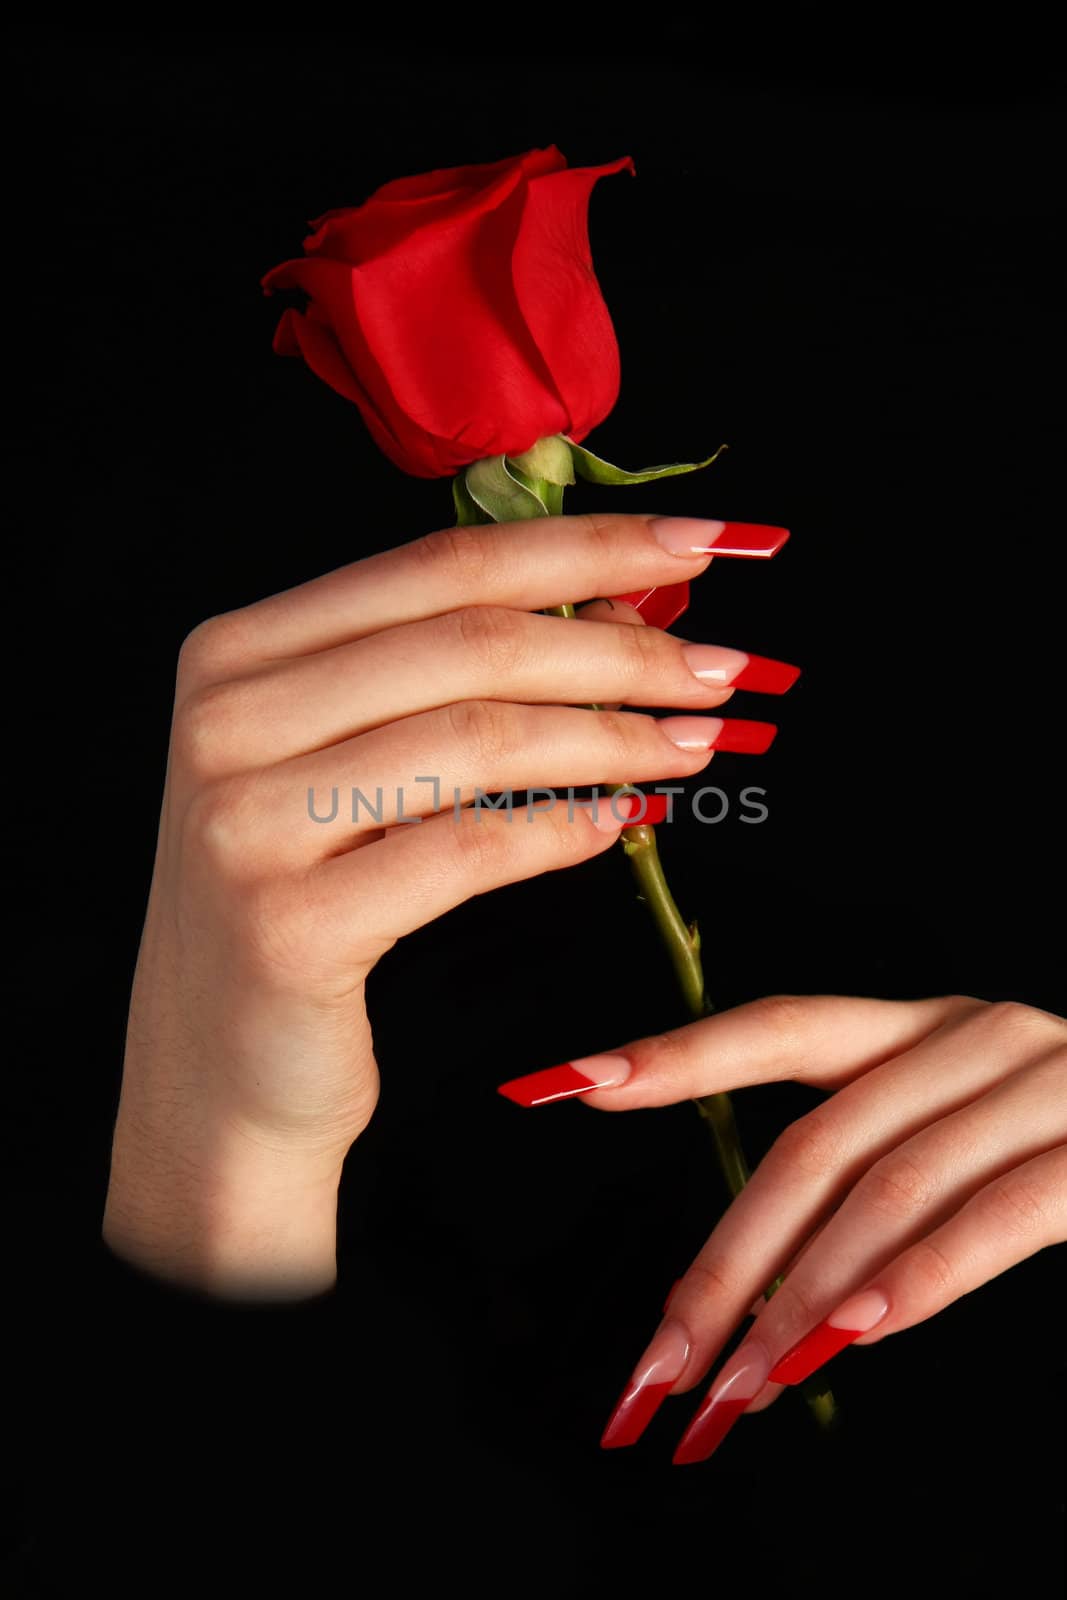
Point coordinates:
[[500, 493], [467, 510], [594, 470]]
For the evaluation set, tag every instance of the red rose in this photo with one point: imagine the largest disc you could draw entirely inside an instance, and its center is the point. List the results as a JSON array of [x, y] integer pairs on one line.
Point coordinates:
[[460, 311]]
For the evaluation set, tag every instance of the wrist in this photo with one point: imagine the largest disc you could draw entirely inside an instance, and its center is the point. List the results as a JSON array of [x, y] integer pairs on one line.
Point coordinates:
[[223, 1212]]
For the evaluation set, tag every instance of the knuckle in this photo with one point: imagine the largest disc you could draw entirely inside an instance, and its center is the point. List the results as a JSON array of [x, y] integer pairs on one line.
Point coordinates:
[[670, 1052], [219, 825], [795, 1310], [494, 635], [896, 1186], [209, 647], [624, 734], [1015, 1023], [1016, 1204], [573, 840], [927, 1262], [783, 1016], [641, 650], [203, 727], [810, 1147], [487, 729], [483, 845], [713, 1278], [601, 532], [459, 555]]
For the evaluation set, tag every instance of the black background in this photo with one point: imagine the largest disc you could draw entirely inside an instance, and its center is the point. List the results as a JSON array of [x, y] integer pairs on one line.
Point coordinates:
[[849, 275]]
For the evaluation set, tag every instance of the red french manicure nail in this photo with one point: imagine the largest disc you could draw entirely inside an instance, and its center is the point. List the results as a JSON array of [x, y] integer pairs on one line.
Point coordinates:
[[659, 606], [646, 810], [740, 1381], [688, 536], [561, 1083], [720, 668], [653, 1378], [858, 1315], [765, 676], [733, 734], [612, 812]]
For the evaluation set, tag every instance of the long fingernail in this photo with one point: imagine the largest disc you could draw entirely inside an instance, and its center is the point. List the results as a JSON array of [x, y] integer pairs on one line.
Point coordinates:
[[691, 536], [561, 1083], [733, 669], [859, 1315], [653, 1378], [740, 1381], [659, 606], [719, 733], [609, 813]]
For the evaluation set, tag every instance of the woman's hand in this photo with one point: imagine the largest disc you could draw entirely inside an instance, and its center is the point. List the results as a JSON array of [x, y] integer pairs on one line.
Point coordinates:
[[403, 678], [939, 1161]]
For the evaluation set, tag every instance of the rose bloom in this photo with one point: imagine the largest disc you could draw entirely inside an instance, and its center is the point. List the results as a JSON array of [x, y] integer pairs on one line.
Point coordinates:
[[460, 311]]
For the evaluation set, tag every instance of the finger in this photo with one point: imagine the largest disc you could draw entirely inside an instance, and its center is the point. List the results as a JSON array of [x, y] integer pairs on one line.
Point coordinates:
[[527, 565], [814, 1165], [1019, 1213], [887, 1155], [904, 1196], [477, 748], [300, 705], [620, 610], [369, 898], [825, 1040]]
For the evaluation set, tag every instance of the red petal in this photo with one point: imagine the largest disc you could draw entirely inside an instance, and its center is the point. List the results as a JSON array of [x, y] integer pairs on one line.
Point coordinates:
[[299, 335], [560, 298]]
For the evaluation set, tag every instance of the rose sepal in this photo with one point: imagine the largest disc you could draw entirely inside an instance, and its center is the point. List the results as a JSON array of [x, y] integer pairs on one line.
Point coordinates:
[[595, 470]]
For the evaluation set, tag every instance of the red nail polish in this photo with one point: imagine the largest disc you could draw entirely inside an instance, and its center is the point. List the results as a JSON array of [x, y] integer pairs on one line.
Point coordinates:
[[856, 1316], [659, 606], [646, 810], [561, 1083], [765, 676], [653, 1378], [745, 738], [740, 1381], [749, 539], [690, 536]]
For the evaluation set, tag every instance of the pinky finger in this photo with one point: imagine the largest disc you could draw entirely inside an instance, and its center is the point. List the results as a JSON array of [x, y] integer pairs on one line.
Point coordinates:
[[1018, 1214]]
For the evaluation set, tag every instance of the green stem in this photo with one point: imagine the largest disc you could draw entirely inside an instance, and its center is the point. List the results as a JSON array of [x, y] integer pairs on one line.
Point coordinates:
[[682, 943]]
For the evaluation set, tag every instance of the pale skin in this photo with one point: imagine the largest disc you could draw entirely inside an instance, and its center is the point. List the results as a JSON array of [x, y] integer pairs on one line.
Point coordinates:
[[939, 1159]]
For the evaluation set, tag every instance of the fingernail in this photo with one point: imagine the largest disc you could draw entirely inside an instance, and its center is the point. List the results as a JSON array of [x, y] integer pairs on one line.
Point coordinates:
[[691, 536], [573, 1077], [610, 813], [858, 1315], [719, 733], [740, 1381], [659, 606], [734, 670], [652, 1380]]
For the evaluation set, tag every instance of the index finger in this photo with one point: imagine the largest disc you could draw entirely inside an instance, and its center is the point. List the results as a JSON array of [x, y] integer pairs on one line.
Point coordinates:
[[824, 1040], [528, 565]]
